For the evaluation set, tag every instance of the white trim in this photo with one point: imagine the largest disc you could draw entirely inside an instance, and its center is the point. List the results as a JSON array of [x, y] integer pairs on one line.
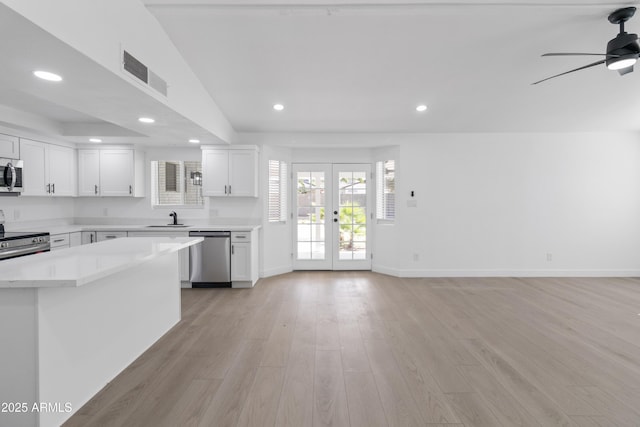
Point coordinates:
[[276, 271], [509, 273]]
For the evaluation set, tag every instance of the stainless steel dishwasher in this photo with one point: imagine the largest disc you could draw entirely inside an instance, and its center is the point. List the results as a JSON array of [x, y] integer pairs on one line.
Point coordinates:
[[210, 261]]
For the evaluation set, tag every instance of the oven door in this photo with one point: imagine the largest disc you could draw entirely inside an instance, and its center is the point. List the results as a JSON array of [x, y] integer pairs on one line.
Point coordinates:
[[10, 175]]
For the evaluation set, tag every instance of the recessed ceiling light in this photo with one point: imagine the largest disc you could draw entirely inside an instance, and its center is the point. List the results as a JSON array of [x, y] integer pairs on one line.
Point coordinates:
[[146, 120], [194, 141], [46, 75], [421, 108], [95, 140], [278, 107]]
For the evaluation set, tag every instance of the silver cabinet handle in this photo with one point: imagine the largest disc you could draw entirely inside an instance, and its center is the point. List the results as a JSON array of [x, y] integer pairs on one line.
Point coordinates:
[[130, 189], [58, 240], [96, 189], [48, 188], [225, 189], [110, 237], [233, 250], [53, 188], [229, 189], [91, 236]]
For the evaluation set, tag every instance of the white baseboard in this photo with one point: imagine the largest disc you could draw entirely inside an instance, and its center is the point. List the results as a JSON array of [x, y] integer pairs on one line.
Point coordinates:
[[276, 271], [511, 273]]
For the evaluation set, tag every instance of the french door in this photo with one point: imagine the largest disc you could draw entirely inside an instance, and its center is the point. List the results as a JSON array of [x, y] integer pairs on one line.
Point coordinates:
[[331, 212]]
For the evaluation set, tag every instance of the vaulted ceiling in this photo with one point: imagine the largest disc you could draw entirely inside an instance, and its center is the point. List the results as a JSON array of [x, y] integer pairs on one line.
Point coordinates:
[[363, 66], [349, 66]]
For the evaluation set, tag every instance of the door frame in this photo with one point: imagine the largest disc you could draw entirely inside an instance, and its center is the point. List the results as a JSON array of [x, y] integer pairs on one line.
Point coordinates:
[[331, 238]]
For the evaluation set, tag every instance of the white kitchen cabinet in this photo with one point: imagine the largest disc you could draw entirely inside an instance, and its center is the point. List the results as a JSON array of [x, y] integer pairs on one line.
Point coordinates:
[[59, 241], [183, 255], [244, 259], [88, 237], [230, 172], [49, 170], [111, 172], [75, 239], [101, 236], [9, 146], [88, 172]]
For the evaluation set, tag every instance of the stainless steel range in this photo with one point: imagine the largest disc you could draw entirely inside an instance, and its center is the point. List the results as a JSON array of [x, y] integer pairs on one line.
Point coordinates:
[[21, 243]]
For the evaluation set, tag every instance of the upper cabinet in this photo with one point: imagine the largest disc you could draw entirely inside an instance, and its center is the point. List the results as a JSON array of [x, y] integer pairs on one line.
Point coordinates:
[[49, 170], [9, 146], [230, 172], [110, 172]]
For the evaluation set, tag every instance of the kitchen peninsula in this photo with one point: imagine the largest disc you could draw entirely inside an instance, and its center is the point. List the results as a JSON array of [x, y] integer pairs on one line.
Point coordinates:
[[71, 320]]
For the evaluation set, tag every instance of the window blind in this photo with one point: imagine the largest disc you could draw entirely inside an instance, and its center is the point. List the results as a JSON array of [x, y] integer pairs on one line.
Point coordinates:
[[385, 190]]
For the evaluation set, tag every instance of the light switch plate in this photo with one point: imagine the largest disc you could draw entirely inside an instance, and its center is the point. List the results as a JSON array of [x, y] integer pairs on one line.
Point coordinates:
[[412, 203]]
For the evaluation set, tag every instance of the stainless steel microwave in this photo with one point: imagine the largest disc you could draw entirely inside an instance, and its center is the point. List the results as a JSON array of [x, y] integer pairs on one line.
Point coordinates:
[[10, 176]]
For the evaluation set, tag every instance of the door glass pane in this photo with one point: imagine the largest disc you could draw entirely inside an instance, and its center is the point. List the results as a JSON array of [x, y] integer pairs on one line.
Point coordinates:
[[311, 215], [352, 187]]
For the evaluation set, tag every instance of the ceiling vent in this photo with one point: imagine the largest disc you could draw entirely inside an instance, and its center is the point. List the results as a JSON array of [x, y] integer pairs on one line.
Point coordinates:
[[142, 73]]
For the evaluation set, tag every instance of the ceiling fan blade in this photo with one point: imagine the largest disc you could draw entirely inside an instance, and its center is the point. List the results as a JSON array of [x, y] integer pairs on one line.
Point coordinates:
[[626, 70], [571, 71], [578, 54]]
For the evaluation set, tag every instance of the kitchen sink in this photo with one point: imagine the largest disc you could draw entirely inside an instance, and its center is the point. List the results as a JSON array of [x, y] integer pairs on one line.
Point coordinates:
[[168, 226]]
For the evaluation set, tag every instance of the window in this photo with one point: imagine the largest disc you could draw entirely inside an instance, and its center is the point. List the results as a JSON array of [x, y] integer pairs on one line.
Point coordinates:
[[277, 191], [171, 177], [386, 190], [176, 183]]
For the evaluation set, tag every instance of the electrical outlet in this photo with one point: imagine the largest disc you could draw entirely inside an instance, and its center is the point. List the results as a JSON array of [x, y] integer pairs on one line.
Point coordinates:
[[105, 212], [416, 257], [16, 214], [549, 257]]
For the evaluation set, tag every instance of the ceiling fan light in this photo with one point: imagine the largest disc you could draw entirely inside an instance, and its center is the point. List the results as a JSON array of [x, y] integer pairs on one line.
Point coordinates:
[[622, 63]]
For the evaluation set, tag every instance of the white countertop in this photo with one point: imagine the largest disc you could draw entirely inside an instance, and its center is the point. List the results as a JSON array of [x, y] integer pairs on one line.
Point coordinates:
[[79, 265], [72, 228]]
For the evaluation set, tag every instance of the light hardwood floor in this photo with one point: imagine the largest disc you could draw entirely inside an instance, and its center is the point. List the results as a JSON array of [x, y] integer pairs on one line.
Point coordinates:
[[363, 349]]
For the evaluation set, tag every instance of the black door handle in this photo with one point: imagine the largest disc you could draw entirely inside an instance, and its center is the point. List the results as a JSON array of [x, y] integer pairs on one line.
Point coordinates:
[[335, 212], [335, 219]]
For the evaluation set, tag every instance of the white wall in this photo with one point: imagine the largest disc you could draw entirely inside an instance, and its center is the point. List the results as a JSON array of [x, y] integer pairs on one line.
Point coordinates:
[[497, 204], [487, 204]]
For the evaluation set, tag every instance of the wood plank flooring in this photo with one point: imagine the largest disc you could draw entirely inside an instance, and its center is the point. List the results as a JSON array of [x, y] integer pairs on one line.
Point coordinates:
[[361, 349]]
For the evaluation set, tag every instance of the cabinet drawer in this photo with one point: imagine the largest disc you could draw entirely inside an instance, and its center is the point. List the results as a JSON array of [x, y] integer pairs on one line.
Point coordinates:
[[57, 240], [109, 235], [240, 236]]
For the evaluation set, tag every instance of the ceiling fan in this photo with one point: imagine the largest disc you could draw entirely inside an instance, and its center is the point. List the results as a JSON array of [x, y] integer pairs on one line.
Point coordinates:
[[622, 51]]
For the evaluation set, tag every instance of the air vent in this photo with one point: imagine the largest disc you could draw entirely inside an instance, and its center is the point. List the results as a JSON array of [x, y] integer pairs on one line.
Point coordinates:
[[143, 74]]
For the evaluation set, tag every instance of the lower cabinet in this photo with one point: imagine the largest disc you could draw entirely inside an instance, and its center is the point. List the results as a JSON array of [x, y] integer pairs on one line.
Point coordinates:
[[244, 259], [64, 240], [88, 237], [109, 235]]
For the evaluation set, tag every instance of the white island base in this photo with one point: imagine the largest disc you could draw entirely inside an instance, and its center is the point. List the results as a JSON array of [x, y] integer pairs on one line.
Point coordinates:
[[62, 343]]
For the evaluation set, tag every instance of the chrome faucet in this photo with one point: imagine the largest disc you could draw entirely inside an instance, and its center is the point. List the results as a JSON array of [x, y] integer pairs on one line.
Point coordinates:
[[175, 217]]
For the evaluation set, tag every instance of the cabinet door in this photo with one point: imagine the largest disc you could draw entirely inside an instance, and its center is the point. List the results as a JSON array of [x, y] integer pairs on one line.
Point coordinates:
[[243, 165], [62, 168], [215, 172], [116, 172], [88, 172], [75, 239], [240, 262], [110, 235], [9, 147], [35, 172], [89, 237]]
